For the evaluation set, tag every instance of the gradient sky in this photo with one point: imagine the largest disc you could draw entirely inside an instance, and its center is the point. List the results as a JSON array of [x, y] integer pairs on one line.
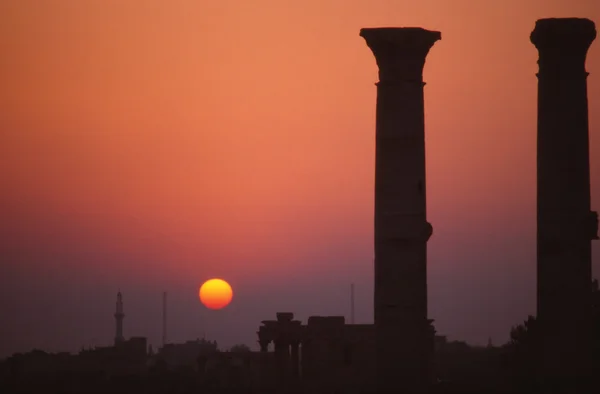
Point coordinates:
[[148, 145]]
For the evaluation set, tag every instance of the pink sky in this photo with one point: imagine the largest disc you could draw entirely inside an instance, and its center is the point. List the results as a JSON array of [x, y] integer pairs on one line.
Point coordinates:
[[149, 145]]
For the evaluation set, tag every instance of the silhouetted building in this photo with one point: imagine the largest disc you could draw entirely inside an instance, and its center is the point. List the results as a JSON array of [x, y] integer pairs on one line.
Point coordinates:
[[230, 370], [187, 354], [41, 372], [402, 338], [565, 224], [128, 357]]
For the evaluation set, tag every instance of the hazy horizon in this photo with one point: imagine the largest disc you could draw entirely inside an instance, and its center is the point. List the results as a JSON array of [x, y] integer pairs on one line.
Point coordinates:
[[148, 146]]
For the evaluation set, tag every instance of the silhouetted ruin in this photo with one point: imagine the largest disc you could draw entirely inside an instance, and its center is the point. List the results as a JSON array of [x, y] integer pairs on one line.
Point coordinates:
[[565, 223], [325, 355], [402, 339]]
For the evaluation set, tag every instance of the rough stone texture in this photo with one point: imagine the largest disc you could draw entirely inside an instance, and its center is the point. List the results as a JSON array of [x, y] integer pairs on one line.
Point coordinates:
[[565, 224], [401, 227]]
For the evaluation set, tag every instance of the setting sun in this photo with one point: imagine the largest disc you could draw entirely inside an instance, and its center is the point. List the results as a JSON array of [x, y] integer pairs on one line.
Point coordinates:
[[215, 293]]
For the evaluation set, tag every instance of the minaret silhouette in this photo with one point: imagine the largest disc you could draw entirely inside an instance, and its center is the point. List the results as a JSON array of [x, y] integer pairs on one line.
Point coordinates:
[[119, 315]]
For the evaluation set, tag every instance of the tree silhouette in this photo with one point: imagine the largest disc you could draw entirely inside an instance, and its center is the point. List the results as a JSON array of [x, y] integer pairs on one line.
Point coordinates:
[[522, 351], [522, 347], [522, 336]]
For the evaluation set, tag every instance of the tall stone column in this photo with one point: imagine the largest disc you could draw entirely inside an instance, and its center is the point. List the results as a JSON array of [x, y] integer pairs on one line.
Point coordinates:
[[565, 224], [295, 362], [264, 346], [401, 227], [264, 338], [282, 359]]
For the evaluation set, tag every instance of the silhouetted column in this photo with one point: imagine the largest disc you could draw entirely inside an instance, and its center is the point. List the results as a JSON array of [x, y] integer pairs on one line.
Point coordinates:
[[264, 338], [282, 358], [401, 227], [565, 224], [306, 366], [264, 345], [295, 359]]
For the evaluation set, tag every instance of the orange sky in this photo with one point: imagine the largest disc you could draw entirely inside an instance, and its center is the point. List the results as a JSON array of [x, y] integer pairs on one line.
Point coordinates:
[[153, 143]]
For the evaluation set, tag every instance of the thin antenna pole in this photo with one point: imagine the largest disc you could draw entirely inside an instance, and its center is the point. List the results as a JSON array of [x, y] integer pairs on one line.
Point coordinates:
[[164, 338], [352, 303]]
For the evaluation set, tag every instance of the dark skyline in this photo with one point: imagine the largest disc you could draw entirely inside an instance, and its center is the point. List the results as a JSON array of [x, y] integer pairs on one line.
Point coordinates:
[[133, 162]]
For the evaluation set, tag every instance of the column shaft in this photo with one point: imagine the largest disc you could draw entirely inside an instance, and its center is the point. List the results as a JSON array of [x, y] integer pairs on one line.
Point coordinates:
[[295, 359], [565, 224], [401, 231], [401, 227], [282, 357]]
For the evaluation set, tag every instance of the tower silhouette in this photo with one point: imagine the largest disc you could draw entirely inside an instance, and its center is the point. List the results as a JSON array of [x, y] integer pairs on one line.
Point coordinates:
[[119, 315]]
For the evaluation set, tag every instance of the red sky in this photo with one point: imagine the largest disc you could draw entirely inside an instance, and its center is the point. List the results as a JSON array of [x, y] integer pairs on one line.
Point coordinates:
[[150, 145]]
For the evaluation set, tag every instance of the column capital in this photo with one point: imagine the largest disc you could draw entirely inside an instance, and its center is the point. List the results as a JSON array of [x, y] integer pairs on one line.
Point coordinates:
[[400, 52], [562, 45]]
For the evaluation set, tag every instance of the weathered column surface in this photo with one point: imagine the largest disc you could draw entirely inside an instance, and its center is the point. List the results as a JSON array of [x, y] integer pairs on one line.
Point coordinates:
[[401, 227], [565, 224]]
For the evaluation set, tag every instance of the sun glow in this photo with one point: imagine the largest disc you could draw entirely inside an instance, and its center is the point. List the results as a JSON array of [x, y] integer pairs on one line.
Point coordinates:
[[215, 293]]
